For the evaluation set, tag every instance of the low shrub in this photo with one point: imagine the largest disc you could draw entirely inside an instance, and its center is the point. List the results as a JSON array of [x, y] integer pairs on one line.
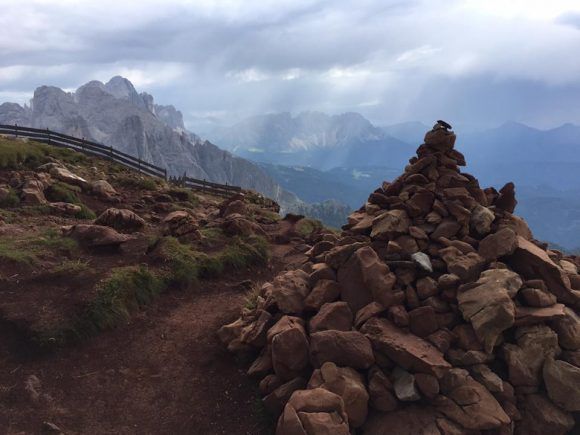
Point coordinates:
[[85, 213], [63, 192]]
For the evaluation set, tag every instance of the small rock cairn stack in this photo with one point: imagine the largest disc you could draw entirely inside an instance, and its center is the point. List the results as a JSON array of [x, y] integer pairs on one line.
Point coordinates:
[[434, 312]]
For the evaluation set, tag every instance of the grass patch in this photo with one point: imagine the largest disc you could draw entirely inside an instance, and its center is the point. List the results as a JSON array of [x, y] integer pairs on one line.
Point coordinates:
[[11, 199], [307, 226], [85, 213], [138, 182], [183, 195], [63, 192], [251, 298], [212, 237], [126, 290], [186, 265], [13, 251], [16, 154], [70, 268], [269, 216]]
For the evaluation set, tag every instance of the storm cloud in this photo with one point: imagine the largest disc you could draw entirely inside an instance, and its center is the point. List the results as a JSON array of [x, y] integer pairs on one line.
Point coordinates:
[[477, 62]]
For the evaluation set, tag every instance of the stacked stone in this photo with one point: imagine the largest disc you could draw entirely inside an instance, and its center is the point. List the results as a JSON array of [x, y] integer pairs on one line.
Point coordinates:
[[435, 311]]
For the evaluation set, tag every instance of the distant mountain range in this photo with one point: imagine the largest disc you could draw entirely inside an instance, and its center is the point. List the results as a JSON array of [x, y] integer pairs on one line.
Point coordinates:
[[114, 113], [313, 139], [321, 157]]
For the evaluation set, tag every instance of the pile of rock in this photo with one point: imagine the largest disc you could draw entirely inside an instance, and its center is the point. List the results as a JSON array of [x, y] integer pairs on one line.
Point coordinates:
[[434, 312]]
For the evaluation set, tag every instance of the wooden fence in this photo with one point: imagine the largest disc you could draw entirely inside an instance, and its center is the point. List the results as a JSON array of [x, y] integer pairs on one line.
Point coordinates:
[[108, 152]]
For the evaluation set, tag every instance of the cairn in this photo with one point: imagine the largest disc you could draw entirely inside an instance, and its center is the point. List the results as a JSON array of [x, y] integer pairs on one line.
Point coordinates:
[[435, 311]]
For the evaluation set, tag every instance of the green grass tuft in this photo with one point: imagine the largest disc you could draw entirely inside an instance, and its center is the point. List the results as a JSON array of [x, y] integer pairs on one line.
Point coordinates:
[[126, 290], [63, 192], [85, 213], [307, 226], [70, 268], [17, 154], [138, 182]]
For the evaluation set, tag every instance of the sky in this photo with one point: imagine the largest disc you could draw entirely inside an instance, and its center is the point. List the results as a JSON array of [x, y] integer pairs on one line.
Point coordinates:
[[476, 63]]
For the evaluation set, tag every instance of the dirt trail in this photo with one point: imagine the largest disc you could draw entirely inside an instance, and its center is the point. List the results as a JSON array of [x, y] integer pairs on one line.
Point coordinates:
[[164, 373]]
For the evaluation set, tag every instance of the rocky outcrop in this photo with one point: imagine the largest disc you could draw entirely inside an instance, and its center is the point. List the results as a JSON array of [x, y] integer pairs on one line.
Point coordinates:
[[459, 321]]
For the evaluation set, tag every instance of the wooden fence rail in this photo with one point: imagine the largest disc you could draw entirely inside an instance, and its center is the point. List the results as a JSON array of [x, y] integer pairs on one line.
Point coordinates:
[[99, 150]]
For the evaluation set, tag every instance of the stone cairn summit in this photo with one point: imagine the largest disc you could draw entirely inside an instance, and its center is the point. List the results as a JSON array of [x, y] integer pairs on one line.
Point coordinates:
[[434, 312]]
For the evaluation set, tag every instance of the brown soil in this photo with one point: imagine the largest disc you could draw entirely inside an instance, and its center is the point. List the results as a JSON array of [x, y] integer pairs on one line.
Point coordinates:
[[164, 372]]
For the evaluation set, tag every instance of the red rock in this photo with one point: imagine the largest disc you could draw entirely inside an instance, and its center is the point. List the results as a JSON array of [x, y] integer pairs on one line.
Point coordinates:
[[289, 291], [466, 338], [536, 297], [531, 315], [499, 244], [420, 203], [398, 315], [321, 271], [533, 263], [269, 384], [441, 339], [335, 315], [467, 267], [180, 224], [440, 139], [426, 287], [289, 349], [120, 219], [481, 220], [390, 224], [507, 198], [405, 349], [381, 391], [344, 348], [563, 384], [364, 279], [428, 385], [568, 330], [366, 312], [313, 412], [468, 403], [275, 401], [526, 358], [542, 417], [488, 304], [339, 255], [448, 228], [323, 292], [349, 385], [233, 207], [422, 321], [93, 236]]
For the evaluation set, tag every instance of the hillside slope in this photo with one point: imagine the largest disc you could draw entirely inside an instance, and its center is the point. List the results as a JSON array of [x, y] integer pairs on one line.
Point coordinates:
[[111, 287]]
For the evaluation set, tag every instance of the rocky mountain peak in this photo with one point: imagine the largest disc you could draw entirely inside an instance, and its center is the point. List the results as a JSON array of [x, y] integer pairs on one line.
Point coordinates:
[[435, 310]]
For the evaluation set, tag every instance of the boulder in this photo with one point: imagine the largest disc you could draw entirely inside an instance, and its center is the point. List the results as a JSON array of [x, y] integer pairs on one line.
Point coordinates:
[[562, 383], [32, 193], [275, 401], [526, 358], [313, 412], [103, 189], [423, 321], [390, 224], [122, 220], [541, 417], [404, 386], [497, 245], [323, 292], [405, 349], [336, 316], [92, 236], [65, 208], [532, 315], [428, 385], [533, 263], [344, 348], [237, 225], [66, 176], [481, 220], [468, 403], [348, 384], [537, 297], [338, 255], [289, 344], [488, 304], [426, 287], [364, 278], [568, 330], [290, 290], [233, 207], [466, 266], [485, 376], [180, 224], [381, 391]]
